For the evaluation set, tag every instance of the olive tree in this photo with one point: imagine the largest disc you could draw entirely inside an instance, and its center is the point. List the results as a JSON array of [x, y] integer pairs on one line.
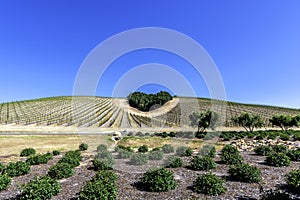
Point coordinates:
[[204, 120], [285, 121], [248, 121]]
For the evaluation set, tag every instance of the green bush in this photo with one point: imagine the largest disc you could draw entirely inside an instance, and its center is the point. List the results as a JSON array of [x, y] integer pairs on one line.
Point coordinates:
[[27, 152], [280, 148], [159, 180], [143, 149], [2, 167], [124, 148], [278, 160], [230, 155], [73, 162], [17, 168], [245, 173], [167, 148], [202, 163], [293, 181], [284, 136], [208, 184], [155, 155], [102, 147], [42, 189], [60, 171], [184, 151], [39, 159], [56, 152], [263, 150], [156, 149], [208, 150], [83, 147], [173, 162], [275, 195], [294, 155], [74, 154], [139, 159], [5, 181], [103, 164], [105, 176], [123, 154]]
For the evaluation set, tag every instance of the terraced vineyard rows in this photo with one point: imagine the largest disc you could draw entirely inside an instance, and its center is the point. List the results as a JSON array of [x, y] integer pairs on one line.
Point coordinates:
[[115, 113]]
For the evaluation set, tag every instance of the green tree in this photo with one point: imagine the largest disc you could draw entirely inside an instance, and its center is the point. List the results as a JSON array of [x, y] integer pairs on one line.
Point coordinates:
[[285, 121], [204, 120], [247, 121]]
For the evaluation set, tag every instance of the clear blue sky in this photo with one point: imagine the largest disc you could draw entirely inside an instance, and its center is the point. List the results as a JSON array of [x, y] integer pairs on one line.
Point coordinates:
[[255, 44]]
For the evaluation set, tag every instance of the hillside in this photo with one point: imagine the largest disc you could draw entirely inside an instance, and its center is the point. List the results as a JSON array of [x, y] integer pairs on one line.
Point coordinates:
[[116, 113]]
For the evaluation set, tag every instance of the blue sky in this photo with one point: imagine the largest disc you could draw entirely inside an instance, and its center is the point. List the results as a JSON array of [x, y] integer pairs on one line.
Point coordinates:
[[255, 45]]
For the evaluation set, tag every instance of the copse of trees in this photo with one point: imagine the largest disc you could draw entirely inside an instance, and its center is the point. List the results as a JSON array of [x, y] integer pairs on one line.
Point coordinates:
[[144, 102], [285, 121], [248, 121], [204, 120]]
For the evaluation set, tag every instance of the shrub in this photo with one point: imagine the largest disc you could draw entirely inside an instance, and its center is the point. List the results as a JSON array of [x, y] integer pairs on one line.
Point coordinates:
[[2, 167], [83, 147], [125, 148], [278, 160], [294, 154], [275, 195], [60, 171], [263, 150], [245, 173], [284, 136], [155, 155], [158, 180], [103, 164], [184, 151], [105, 176], [27, 152], [156, 149], [143, 149], [173, 162], [56, 152], [280, 148], [230, 155], [39, 159], [208, 184], [208, 150], [43, 188], [167, 148], [123, 154], [102, 147], [17, 168], [293, 181], [138, 159], [202, 163], [74, 154], [5, 181], [73, 162]]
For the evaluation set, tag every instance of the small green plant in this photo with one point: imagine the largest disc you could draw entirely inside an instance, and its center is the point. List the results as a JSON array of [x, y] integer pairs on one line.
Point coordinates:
[[5, 181], [27, 152], [202, 163], [278, 160], [245, 173], [124, 148], [159, 180], [2, 167], [42, 188], [143, 149], [263, 150], [208, 184], [123, 154], [139, 159], [102, 147], [156, 149], [155, 155], [167, 148], [103, 164], [208, 150], [294, 155], [280, 148], [39, 159], [60, 171], [73, 162], [173, 162], [184, 151], [18, 168], [105, 176], [56, 152], [284, 136], [74, 154], [230, 155], [293, 181], [83, 147]]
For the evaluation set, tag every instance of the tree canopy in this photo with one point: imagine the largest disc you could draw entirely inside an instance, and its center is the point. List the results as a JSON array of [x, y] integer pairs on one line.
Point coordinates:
[[285, 121], [144, 102], [248, 121], [204, 120]]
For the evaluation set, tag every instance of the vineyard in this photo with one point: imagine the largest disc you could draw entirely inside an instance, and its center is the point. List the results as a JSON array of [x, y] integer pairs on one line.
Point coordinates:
[[116, 113]]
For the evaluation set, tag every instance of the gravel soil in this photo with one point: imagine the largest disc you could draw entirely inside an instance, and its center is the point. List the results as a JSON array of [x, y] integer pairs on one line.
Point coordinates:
[[129, 176]]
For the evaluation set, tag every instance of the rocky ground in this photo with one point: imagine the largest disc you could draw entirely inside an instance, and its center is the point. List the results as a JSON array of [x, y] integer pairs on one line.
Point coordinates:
[[129, 176]]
